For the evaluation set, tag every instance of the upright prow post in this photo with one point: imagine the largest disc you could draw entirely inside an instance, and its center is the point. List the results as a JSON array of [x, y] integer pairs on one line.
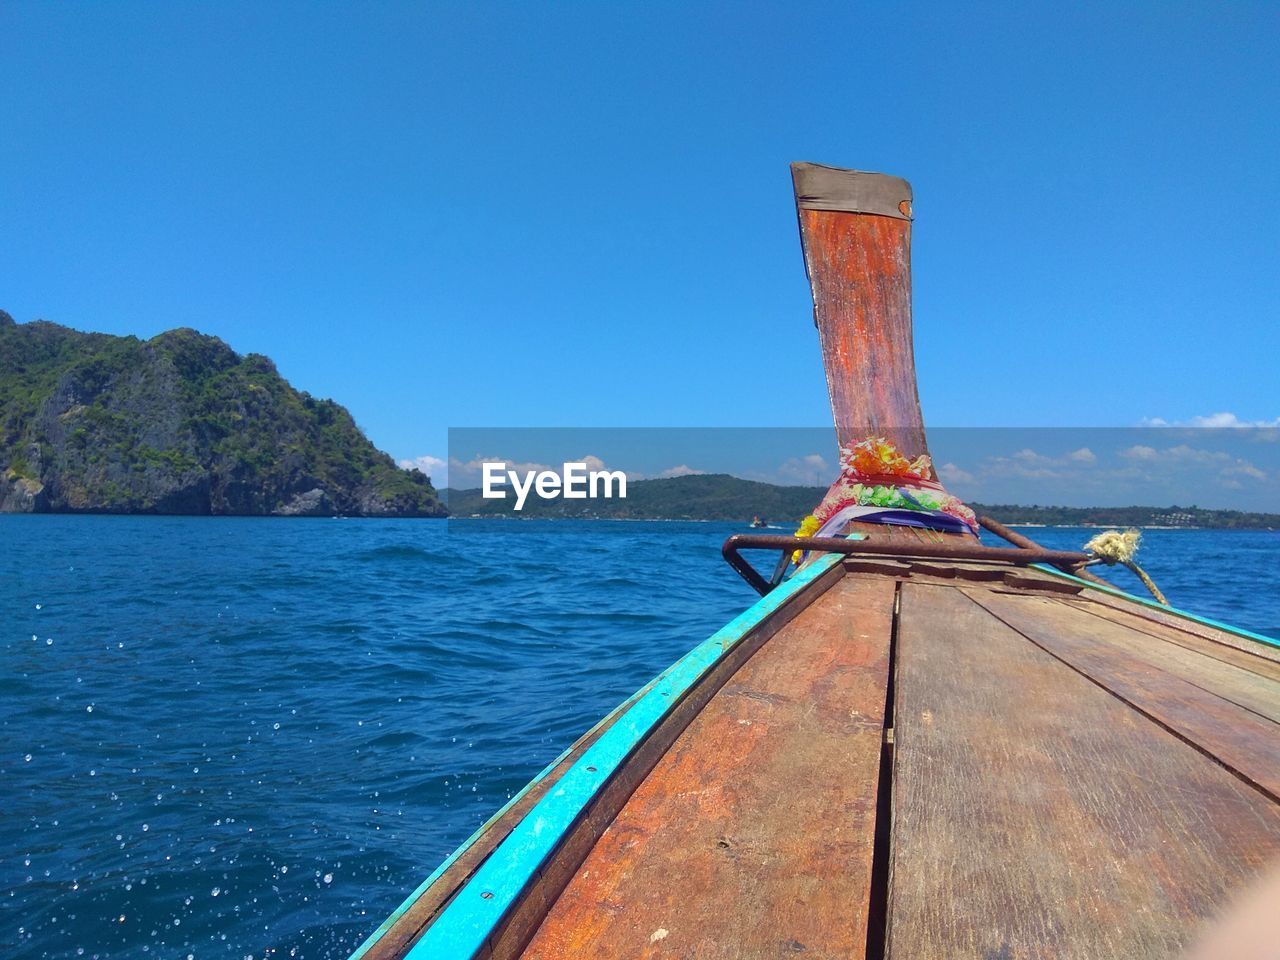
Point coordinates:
[[855, 228]]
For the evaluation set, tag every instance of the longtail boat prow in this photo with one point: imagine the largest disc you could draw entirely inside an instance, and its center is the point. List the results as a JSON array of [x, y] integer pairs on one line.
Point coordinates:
[[913, 744]]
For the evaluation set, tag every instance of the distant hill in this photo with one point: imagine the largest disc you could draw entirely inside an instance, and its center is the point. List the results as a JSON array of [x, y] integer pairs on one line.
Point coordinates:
[[724, 497], [179, 424]]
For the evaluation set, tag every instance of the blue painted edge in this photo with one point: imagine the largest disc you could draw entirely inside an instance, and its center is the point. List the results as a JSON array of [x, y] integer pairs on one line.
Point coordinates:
[[1116, 591], [462, 927], [466, 844]]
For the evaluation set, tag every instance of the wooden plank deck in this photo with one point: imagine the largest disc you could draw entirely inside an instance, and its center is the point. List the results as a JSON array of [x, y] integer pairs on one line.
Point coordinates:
[[1244, 741], [920, 760], [753, 836], [1038, 814], [1254, 657], [1070, 780]]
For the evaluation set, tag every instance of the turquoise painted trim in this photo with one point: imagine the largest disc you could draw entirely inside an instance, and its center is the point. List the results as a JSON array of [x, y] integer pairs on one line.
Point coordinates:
[[1116, 591], [466, 844], [462, 927]]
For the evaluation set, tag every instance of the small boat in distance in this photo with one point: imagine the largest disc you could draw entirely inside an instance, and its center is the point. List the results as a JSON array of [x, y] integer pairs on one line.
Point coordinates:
[[757, 523], [913, 744]]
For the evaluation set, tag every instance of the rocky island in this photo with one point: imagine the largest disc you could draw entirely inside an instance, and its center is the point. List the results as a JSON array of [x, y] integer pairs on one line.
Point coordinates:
[[180, 424]]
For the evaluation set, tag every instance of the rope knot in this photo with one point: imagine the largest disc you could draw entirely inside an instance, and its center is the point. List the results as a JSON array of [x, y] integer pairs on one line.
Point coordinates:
[[1114, 546]]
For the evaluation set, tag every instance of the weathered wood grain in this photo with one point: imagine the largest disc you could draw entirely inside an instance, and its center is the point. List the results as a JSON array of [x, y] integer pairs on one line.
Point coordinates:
[[1249, 684], [860, 272], [1240, 739], [753, 836], [1195, 627], [1248, 654], [1038, 816]]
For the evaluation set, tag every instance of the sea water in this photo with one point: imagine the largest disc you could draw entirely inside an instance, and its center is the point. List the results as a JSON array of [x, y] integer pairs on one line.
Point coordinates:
[[253, 737]]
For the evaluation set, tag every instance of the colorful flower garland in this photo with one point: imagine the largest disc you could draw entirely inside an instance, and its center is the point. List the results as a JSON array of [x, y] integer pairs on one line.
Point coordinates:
[[873, 474]]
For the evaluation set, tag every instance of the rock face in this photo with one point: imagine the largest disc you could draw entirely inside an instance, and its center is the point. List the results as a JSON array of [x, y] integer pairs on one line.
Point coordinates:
[[179, 424]]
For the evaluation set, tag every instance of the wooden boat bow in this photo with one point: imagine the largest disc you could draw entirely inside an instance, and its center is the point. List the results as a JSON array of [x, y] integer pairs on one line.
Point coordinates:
[[915, 747]]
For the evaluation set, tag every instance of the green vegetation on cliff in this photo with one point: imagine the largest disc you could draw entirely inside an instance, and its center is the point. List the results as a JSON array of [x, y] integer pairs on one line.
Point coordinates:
[[180, 423]]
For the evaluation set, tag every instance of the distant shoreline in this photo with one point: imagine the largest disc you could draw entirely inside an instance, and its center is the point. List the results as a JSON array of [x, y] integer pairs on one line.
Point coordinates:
[[723, 497], [773, 526], [542, 518]]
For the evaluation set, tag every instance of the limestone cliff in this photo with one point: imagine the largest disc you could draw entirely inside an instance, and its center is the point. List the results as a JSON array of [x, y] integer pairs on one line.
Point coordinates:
[[179, 424]]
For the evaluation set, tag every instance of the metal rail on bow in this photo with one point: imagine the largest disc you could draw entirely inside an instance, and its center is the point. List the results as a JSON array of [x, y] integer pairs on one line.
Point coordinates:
[[1023, 556]]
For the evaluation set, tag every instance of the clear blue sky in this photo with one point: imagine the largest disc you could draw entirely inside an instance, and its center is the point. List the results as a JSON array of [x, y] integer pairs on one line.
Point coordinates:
[[454, 214]]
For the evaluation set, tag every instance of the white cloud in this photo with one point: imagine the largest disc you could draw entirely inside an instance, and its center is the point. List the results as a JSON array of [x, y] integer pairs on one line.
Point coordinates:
[[1218, 420], [1171, 466], [1230, 420], [1186, 454], [1028, 463], [952, 475], [683, 470], [1227, 468], [1140, 452], [811, 470], [466, 474], [433, 467], [1179, 454], [1243, 468]]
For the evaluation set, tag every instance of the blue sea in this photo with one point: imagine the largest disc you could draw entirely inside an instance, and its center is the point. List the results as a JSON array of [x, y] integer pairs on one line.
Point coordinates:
[[253, 737]]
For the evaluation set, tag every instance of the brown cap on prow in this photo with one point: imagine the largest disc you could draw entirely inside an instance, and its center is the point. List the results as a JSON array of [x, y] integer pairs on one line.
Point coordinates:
[[850, 191]]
